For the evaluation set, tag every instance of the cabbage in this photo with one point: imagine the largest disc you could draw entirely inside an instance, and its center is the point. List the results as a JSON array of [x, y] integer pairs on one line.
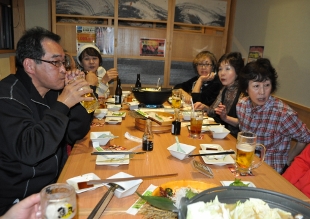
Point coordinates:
[[251, 208]]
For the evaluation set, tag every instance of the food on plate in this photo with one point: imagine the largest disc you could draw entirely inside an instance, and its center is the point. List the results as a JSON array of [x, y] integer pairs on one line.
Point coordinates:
[[114, 148], [251, 208], [238, 182], [161, 207]]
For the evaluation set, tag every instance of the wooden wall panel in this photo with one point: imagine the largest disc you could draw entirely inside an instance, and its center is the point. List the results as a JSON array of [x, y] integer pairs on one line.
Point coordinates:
[[128, 42]]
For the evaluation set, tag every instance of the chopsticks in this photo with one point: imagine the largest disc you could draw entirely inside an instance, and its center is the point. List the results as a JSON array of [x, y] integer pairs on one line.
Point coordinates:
[[116, 152], [110, 180], [208, 154], [103, 203]]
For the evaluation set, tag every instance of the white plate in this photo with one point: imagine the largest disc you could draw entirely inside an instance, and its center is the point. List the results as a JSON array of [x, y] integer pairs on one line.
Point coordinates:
[[113, 120], [219, 162], [116, 114], [103, 160], [111, 100], [227, 183], [85, 177]]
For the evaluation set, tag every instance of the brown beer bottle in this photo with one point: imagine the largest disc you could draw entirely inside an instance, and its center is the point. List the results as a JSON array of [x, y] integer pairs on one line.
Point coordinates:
[[118, 92]]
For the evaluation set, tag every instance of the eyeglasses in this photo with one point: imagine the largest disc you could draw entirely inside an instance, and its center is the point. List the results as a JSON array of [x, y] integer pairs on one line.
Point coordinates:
[[204, 65], [55, 63]]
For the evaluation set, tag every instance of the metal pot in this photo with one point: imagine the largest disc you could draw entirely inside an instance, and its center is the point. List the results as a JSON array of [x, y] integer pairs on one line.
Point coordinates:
[[232, 194], [152, 96]]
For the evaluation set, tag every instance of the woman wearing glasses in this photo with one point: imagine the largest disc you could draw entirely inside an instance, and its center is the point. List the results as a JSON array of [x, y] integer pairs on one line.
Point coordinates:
[[206, 85]]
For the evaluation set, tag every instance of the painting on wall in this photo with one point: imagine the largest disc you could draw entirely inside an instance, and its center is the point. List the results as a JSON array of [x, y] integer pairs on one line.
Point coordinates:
[[144, 9], [204, 12], [85, 7]]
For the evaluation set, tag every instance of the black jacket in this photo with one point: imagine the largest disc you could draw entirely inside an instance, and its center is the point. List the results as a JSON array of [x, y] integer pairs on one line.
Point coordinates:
[[34, 133], [209, 90]]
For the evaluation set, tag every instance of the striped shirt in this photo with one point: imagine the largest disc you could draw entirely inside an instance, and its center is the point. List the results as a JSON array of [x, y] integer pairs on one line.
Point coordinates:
[[275, 124]]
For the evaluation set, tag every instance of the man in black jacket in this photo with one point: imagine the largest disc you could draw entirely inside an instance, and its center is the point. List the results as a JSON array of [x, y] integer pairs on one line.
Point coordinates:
[[40, 115]]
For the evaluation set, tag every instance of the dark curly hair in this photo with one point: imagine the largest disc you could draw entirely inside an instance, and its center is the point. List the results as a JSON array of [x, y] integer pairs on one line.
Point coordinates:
[[234, 59], [259, 70], [29, 45]]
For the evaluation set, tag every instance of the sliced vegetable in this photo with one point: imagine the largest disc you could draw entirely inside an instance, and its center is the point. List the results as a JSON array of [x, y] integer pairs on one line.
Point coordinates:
[[238, 182], [190, 194], [159, 202]]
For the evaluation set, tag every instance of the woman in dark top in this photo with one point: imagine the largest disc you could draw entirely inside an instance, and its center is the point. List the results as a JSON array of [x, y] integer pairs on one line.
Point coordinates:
[[206, 85], [223, 109]]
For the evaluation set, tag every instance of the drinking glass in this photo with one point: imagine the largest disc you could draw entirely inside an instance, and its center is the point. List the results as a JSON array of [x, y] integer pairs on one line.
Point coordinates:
[[176, 98], [58, 201], [196, 123], [92, 105], [246, 145]]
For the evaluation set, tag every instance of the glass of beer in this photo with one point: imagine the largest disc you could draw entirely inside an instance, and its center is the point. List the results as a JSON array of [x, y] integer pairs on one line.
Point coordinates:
[[58, 201], [176, 98], [196, 123], [92, 105], [246, 146]]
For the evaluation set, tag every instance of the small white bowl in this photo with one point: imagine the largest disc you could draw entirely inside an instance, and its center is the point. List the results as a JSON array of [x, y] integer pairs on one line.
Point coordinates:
[[222, 134], [186, 115], [133, 105], [116, 107], [173, 149], [100, 113], [216, 128], [102, 141], [129, 186]]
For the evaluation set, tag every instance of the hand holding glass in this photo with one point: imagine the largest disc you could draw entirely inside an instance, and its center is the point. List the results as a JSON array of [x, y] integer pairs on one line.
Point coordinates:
[[92, 105], [246, 145], [58, 201]]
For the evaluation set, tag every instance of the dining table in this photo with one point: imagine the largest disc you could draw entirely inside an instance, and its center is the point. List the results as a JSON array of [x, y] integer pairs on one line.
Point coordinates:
[[155, 162]]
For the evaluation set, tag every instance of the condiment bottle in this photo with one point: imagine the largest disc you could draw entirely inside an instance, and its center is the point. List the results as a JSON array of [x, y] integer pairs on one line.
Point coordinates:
[[176, 124], [118, 92], [138, 82], [147, 139]]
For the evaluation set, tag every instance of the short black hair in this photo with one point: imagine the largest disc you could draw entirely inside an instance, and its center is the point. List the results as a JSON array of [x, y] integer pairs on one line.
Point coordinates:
[[30, 44], [259, 70], [91, 52]]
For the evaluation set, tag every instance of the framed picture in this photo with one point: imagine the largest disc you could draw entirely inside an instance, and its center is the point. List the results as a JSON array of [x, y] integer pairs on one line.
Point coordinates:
[[152, 47]]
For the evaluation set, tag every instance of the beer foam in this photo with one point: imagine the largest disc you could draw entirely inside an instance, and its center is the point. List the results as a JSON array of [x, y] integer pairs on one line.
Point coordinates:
[[245, 147]]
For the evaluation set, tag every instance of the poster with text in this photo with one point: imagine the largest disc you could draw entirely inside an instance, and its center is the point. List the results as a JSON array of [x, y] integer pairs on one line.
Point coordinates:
[[85, 35], [255, 53]]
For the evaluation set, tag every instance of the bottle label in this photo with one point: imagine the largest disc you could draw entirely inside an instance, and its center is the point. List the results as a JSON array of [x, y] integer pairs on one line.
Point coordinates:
[[117, 99], [147, 146]]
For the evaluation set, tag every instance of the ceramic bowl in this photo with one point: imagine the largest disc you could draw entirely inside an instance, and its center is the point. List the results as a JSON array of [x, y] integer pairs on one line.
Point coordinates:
[[133, 105], [216, 128], [100, 113], [222, 134], [94, 136], [112, 107], [129, 186], [186, 115], [180, 155]]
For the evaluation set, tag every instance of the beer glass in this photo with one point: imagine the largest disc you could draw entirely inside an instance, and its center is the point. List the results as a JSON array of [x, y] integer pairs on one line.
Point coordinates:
[[92, 105], [58, 201], [176, 98], [246, 145], [196, 123]]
